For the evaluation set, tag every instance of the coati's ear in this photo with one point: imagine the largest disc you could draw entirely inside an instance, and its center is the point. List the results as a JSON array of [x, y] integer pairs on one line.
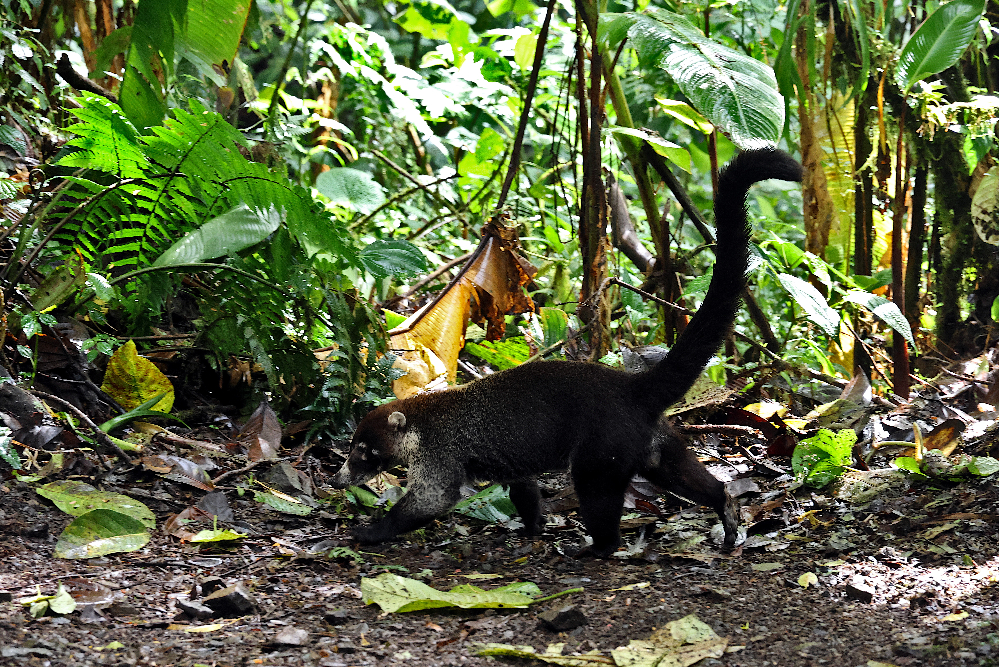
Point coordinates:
[[397, 420]]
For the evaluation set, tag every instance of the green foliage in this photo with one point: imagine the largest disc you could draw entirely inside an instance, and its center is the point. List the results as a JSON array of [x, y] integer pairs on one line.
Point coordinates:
[[938, 42], [819, 460], [734, 91], [7, 451], [491, 504], [501, 354]]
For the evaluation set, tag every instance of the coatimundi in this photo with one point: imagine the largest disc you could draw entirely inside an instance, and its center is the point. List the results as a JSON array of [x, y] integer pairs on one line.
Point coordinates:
[[601, 423]]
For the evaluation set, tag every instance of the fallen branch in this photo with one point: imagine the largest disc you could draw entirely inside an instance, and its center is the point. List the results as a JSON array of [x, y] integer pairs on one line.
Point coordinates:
[[100, 435]]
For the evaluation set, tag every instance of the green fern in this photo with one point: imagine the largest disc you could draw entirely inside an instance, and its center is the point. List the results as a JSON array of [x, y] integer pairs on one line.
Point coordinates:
[[139, 194], [133, 196]]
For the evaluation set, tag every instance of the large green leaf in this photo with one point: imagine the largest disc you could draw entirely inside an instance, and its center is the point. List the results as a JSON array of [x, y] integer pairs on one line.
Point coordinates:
[[384, 258], [985, 207], [101, 532], [234, 230], [812, 302], [149, 64], [350, 188], [77, 498], [106, 140], [212, 33], [821, 458], [492, 504], [734, 91], [394, 593], [938, 42], [884, 309]]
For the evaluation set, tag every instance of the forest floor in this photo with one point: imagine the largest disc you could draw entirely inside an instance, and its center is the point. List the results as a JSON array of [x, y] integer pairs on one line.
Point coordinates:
[[909, 576]]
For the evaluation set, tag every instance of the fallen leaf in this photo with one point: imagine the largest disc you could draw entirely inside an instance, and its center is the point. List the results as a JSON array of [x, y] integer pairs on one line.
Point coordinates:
[[399, 594], [261, 434]]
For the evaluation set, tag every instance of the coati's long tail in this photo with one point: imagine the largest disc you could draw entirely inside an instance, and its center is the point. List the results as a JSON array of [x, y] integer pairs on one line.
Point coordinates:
[[669, 380]]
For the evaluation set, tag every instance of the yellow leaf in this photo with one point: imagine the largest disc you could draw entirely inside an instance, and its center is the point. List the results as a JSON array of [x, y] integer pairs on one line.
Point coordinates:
[[808, 579], [132, 380]]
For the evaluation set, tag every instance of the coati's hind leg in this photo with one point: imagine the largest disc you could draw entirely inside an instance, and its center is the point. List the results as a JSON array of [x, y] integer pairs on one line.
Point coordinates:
[[676, 469], [427, 497], [601, 499], [527, 499]]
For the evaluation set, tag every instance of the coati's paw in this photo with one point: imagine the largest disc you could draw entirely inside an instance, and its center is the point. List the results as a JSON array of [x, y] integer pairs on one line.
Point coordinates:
[[594, 551], [533, 528], [370, 534]]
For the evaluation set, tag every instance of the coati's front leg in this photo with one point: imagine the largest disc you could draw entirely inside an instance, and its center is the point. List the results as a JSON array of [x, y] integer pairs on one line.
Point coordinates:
[[427, 497], [527, 499]]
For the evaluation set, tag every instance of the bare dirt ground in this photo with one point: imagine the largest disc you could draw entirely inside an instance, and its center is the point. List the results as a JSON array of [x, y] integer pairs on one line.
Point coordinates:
[[911, 578]]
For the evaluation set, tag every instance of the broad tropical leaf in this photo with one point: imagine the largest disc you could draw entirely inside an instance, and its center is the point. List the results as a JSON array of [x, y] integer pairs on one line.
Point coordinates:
[[885, 310], [938, 42], [223, 235], [384, 258], [351, 188], [734, 91], [812, 302], [101, 532]]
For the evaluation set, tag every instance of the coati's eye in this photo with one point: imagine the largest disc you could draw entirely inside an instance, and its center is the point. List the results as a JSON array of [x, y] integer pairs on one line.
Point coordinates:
[[375, 451]]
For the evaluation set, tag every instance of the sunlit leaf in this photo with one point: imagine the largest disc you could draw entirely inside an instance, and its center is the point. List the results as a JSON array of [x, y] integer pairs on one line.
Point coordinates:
[[132, 380], [217, 535], [394, 593], [818, 460], [675, 154], [938, 42]]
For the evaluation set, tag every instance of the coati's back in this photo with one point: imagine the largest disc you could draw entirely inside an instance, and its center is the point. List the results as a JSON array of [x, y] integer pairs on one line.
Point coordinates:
[[528, 419]]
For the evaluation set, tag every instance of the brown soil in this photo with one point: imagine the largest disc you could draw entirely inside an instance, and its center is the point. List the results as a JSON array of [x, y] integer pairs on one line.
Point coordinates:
[[933, 594]]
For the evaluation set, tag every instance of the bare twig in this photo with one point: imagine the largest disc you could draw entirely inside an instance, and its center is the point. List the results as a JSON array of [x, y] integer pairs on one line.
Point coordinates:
[[412, 179], [239, 471], [651, 297], [100, 435], [431, 276]]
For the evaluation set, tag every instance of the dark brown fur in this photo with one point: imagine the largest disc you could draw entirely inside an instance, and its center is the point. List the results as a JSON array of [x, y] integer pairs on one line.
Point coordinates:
[[601, 423]]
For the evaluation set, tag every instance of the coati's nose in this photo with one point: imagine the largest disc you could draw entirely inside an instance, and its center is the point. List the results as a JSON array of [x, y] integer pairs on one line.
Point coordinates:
[[341, 480]]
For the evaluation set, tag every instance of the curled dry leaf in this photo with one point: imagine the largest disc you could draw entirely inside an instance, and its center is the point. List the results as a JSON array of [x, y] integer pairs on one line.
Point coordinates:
[[487, 288]]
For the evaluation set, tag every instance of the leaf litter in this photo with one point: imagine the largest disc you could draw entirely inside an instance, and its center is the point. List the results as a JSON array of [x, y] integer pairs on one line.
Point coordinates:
[[888, 565]]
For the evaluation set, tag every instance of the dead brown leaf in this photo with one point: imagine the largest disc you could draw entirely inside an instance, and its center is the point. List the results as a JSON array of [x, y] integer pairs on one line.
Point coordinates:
[[488, 287]]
